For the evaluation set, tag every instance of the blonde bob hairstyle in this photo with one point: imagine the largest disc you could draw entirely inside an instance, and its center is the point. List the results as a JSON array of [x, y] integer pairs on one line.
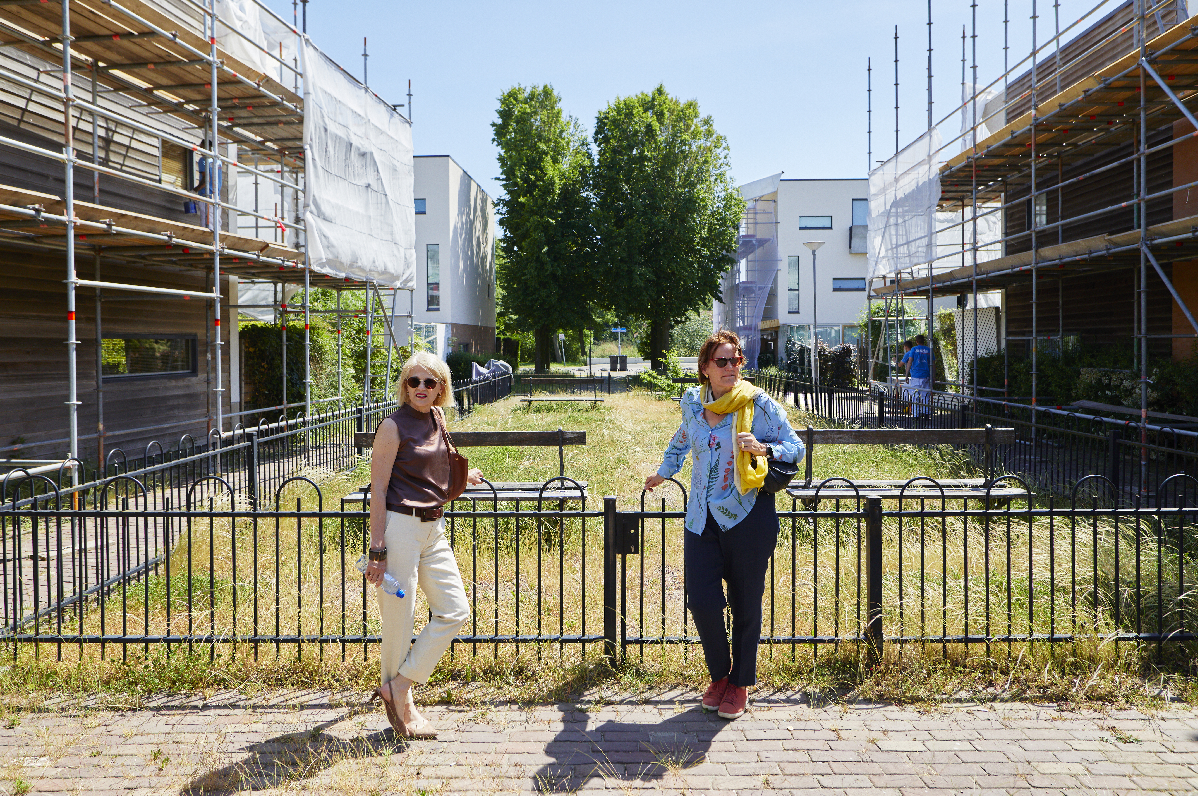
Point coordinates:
[[434, 365]]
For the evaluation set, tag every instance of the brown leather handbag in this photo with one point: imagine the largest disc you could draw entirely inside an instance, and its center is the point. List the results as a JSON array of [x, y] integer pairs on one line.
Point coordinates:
[[459, 465]]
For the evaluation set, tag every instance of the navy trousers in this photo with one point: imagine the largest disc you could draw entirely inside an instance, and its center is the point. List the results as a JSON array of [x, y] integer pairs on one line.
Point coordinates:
[[738, 556]]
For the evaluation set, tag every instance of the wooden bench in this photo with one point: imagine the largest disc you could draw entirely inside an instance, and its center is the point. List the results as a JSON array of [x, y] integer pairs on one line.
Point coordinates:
[[980, 488], [550, 381], [504, 490]]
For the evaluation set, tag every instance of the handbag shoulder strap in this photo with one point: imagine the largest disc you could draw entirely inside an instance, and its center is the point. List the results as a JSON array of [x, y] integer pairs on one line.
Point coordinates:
[[440, 418]]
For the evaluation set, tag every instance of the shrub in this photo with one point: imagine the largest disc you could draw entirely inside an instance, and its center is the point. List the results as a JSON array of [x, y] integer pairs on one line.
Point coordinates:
[[837, 365], [461, 362], [262, 368]]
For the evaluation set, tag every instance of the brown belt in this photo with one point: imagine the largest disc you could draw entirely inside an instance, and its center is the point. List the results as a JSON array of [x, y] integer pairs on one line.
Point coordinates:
[[425, 515]]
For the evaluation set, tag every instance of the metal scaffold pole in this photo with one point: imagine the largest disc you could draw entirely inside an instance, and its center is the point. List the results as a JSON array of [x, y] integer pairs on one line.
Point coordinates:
[[869, 165], [213, 180], [68, 102], [974, 187], [369, 346], [1142, 204], [1033, 225]]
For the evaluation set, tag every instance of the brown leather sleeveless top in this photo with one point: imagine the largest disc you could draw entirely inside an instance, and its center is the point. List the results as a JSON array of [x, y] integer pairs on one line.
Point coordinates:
[[420, 475]]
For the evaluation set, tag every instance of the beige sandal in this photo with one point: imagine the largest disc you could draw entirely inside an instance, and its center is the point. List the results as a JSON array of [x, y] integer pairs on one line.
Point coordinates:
[[393, 717]]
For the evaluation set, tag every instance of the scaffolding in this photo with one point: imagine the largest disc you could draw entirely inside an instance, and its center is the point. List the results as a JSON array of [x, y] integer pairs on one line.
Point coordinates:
[[746, 286], [1102, 102], [222, 80]]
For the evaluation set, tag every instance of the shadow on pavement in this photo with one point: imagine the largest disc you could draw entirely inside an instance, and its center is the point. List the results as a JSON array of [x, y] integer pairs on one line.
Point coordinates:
[[287, 758], [625, 751]]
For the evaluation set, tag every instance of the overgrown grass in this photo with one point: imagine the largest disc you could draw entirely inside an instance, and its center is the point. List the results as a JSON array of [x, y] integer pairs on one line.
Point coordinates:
[[261, 576]]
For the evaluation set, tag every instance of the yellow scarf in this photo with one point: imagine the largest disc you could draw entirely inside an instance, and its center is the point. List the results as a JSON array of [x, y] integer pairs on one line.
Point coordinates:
[[750, 469]]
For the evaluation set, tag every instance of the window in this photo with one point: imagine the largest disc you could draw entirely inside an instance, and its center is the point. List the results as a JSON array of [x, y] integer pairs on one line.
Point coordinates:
[[860, 212], [1037, 211], [828, 335], [792, 285], [131, 356], [851, 334], [433, 275], [839, 285], [815, 222], [420, 203], [800, 333]]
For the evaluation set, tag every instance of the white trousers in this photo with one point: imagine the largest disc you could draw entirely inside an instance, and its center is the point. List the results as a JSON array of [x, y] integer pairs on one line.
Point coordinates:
[[418, 553]]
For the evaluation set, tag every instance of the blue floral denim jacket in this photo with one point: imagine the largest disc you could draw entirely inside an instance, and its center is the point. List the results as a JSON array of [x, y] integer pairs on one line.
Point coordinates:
[[713, 483]]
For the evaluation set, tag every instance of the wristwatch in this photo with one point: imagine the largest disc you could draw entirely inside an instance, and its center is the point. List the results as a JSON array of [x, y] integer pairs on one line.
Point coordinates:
[[378, 555]]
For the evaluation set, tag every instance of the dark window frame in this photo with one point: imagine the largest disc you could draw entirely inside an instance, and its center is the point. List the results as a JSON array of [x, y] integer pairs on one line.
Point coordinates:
[[428, 285], [793, 285], [853, 206], [853, 279], [193, 351]]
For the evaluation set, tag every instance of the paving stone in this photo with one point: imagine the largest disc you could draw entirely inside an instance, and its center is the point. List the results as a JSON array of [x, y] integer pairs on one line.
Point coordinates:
[[661, 745]]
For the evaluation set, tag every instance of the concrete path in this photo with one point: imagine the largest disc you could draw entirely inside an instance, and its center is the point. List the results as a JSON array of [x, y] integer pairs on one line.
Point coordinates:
[[330, 743]]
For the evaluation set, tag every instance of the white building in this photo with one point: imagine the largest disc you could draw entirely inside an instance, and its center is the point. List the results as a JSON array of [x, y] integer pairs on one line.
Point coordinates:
[[772, 293], [454, 302]]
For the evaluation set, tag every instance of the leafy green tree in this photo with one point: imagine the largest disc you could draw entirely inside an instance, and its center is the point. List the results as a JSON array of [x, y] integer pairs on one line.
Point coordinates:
[[545, 269], [666, 211]]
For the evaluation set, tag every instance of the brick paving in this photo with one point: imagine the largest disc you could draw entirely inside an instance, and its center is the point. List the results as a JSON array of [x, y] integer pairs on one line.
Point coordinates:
[[331, 743]]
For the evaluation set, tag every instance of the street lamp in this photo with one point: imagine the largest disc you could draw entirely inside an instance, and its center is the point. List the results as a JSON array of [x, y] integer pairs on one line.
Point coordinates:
[[814, 246]]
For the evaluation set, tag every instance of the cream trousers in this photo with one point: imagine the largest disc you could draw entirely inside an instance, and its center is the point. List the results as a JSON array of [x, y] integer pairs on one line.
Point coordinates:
[[418, 553]]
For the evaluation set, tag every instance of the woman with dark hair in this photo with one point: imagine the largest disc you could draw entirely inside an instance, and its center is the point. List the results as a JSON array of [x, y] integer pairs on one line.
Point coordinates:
[[732, 430], [409, 482]]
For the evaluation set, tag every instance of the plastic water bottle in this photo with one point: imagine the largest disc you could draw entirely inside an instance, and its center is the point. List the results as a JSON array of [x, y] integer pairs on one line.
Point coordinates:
[[389, 584]]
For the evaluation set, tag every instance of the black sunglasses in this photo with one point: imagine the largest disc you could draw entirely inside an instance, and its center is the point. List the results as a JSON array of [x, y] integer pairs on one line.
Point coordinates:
[[414, 382], [722, 362]]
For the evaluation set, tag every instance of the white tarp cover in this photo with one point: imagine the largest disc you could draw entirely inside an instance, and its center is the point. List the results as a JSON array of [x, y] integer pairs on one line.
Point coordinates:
[[358, 210], [903, 193], [262, 34]]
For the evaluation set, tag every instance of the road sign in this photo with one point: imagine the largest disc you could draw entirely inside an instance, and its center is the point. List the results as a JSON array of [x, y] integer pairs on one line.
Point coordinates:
[[619, 329]]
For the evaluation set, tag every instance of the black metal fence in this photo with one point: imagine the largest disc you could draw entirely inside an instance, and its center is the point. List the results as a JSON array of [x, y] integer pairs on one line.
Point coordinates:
[[207, 572], [471, 393], [1054, 448]]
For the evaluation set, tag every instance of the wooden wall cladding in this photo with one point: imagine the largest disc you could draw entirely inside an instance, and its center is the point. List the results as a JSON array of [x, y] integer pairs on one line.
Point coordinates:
[[1098, 306], [1102, 43], [1102, 190], [26, 170], [33, 359]]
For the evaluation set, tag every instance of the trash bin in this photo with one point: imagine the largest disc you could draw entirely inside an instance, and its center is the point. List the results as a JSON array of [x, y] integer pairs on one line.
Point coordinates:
[[617, 362]]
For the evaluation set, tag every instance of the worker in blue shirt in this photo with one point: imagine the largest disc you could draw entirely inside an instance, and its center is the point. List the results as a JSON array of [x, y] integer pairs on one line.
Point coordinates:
[[918, 362]]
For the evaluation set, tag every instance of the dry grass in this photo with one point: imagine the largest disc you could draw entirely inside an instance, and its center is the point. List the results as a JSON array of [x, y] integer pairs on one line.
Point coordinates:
[[261, 576]]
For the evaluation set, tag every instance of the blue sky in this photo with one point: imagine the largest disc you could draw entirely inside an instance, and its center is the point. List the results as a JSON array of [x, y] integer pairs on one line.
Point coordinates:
[[784, 81]]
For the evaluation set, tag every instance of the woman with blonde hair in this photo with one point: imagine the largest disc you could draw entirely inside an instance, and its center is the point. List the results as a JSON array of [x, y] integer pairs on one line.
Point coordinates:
[[409, 484], [732, 429]]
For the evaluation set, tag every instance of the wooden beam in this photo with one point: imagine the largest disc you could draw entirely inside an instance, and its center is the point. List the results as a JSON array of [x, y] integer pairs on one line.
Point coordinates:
[[492, 439]]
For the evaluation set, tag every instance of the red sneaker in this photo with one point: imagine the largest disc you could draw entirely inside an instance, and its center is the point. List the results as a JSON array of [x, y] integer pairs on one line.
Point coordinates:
[[734, 702], [714, 695]]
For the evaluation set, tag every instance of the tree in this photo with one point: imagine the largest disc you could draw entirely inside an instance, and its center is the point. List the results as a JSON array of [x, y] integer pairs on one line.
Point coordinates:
[[666, 211], [544, 164]]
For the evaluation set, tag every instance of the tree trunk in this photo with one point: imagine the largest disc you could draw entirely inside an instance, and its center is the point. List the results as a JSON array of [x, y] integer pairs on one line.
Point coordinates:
[[543, 337], [659, 342], [583, 354]]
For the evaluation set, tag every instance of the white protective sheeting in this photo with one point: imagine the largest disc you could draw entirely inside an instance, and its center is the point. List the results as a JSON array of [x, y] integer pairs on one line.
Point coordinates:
[[358, 210], [261, 34], [903, 193]]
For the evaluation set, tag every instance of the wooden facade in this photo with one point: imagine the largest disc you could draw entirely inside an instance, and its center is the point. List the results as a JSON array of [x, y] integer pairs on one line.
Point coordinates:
[[33, 357]]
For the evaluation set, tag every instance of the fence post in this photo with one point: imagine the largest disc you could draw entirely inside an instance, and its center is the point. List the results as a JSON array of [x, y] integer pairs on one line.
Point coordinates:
[[610, 548], [873, 577], [359, 425], [881, 408], [1113, 456], [252, 470]]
